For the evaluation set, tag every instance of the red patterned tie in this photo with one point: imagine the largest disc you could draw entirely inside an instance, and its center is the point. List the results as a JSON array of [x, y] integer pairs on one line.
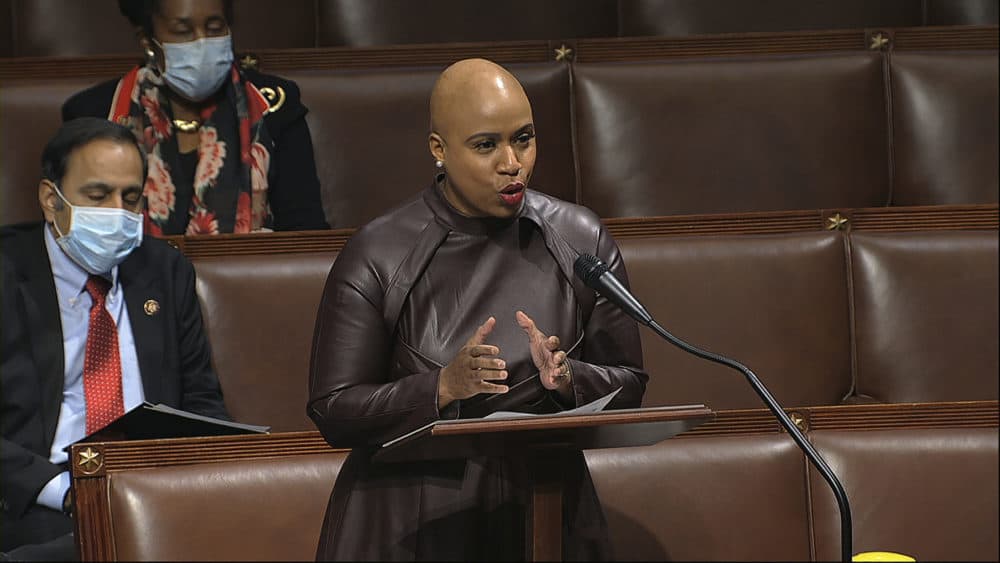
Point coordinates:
[[102, 368]]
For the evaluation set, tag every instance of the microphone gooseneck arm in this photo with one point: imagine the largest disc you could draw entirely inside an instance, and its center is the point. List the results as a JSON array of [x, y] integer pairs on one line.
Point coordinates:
[[786, 422], [596, 275]]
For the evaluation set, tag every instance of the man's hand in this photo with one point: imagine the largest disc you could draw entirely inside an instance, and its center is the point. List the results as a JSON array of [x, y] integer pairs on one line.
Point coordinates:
[[553, 369], [469, 372]]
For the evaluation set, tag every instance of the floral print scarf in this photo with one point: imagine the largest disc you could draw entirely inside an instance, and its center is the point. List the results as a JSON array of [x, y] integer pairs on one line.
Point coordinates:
[[231, 178]]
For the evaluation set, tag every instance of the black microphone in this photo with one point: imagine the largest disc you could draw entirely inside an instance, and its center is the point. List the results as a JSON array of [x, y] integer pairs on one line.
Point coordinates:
[[597, 276]]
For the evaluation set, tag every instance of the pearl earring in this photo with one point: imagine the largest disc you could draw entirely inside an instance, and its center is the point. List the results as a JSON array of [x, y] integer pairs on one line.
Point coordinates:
[[439, 163]]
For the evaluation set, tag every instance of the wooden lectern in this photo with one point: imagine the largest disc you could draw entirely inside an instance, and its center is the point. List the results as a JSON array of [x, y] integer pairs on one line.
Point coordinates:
[[546, 441]]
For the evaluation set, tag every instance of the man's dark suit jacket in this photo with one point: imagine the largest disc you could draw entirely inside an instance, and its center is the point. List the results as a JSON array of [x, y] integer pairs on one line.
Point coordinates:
[[172, 349]]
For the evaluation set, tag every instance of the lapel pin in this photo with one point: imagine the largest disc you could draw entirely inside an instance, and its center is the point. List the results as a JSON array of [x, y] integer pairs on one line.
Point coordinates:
[[152, 307]]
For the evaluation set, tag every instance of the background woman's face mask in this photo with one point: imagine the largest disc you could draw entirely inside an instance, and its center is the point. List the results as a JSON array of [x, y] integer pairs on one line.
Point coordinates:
[[196, 69], [99, 238]]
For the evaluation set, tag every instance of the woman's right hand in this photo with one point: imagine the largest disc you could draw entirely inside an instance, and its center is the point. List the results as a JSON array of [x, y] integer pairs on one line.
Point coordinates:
[[469, 372]]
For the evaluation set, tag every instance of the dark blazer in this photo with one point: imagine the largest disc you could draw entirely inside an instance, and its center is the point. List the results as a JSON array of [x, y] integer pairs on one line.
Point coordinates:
[[172, 349], [294, 190]]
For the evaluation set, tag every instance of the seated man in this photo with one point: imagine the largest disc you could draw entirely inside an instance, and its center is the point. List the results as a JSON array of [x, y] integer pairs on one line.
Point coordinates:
[[94, 321]]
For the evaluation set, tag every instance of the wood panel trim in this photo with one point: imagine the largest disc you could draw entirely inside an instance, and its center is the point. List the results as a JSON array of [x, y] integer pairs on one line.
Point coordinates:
[[943, 217], [880, 416], [145, 454], [609, 49]]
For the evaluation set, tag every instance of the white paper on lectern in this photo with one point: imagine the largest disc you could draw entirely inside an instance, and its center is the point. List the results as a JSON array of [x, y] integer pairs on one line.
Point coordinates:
[[590, 408]]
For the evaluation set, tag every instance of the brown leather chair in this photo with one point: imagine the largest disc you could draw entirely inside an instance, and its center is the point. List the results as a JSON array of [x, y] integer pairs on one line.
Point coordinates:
[[29, 116], [262, 510], [731, 135], [945, 132], [928, 493], [6, 29], [688, 17], [69, 28], [925, 315], [259, 312], [776, 303], [725, 498], [962, 12], [359, 23], [369, 129]]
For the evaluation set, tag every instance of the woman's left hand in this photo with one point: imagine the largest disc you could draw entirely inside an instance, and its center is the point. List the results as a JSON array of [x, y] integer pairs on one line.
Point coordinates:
[[553, 368]]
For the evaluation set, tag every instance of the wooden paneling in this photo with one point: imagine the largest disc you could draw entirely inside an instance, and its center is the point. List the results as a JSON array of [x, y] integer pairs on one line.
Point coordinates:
[[945, 217], [585, 50]]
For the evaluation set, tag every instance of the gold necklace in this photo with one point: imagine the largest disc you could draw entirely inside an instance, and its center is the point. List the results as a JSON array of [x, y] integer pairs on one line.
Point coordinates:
[[187, 126]]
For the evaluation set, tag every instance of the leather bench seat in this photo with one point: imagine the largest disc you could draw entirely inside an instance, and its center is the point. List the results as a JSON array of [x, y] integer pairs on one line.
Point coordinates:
[[926, 489], [257, 510], [699, 134], [259, 314], [930, 493], [823, 318]]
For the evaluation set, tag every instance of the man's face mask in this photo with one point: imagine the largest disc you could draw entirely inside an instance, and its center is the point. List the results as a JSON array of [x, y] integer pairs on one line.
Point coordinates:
[[99, 238], [196, 69]]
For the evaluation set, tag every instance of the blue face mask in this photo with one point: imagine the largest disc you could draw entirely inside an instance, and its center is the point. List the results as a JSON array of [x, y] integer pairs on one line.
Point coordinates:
[[196, 69], [98, 238]]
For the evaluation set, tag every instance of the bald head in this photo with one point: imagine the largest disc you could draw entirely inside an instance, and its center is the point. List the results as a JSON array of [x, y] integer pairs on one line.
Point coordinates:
[[471, 89], [483, 138]]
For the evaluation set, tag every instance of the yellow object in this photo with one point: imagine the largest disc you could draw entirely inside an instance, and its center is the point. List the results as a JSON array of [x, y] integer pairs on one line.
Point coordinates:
[[881, 556]]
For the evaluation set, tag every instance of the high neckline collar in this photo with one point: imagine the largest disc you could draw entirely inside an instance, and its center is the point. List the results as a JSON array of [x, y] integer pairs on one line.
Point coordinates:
[[447, 214]]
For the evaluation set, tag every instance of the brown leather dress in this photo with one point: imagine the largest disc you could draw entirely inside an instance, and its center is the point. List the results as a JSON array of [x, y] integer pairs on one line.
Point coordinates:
[[402, 298]]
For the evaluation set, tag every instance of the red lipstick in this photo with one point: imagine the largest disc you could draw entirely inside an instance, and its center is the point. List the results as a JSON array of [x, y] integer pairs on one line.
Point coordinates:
[[512, 194]]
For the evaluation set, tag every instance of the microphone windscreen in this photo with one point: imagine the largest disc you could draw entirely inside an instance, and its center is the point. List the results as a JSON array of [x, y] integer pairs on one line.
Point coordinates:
[[589, 268]]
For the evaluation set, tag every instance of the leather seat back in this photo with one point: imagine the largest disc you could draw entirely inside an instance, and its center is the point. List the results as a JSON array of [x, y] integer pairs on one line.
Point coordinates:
[[263, 510], [259, 312]]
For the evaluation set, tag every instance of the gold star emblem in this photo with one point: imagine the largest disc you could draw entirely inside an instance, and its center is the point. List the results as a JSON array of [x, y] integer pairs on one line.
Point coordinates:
[[836, 222], [878, 41], [90, 460], [249, 60], [151, 307], [563, 53], [799, 421]]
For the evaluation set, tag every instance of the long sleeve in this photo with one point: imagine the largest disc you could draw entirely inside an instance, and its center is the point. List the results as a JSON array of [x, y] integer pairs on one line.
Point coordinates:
[[351, 399], [23, 471], [294, 195]]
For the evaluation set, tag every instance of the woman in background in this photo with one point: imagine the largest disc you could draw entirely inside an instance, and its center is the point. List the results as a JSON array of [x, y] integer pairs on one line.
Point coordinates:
[[229, 148]]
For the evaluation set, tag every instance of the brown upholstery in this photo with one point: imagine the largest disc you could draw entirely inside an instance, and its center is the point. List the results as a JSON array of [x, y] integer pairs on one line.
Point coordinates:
[[777, 304], [925, 319], [686, 17], [266, 510], [370, 130], [29, 116], [381, 22], [962, 12], [930, 494], [262, 24], [698, 499], [945, 130], [259, 312], [6, 25], [713, 136], [924, 484], [71, 28], [926, 315]]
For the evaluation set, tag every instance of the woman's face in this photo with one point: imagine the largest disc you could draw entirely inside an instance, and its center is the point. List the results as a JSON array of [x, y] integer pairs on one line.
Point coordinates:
[[180, 21], [488, 150]]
